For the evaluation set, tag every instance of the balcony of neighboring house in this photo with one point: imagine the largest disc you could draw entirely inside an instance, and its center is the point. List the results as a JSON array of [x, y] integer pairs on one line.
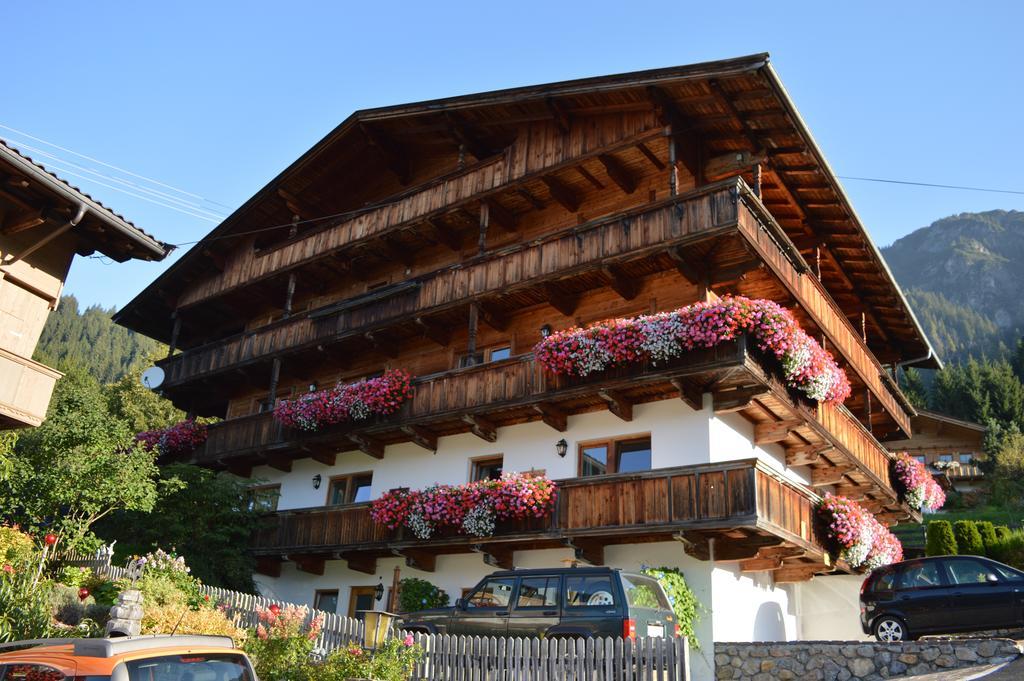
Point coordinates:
[[479, 399], [720, 236], [949, 446], [25, 389], [736, 511]]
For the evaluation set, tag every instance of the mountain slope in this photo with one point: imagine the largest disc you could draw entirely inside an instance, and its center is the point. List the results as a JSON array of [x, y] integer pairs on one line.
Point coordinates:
[[90, 339], [964, 277]]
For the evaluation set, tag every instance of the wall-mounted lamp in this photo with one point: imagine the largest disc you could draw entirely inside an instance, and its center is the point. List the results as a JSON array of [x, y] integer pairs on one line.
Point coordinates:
[[378, 590], [545, 331], [312, 387], [561, 447], [317, 479]]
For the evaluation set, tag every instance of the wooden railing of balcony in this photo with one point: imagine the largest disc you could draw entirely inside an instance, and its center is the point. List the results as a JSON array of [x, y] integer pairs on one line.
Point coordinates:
[[852, 434], [25, 389], [744, 497]]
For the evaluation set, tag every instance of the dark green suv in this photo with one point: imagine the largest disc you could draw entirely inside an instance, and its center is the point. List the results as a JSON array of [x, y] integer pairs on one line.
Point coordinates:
[[554, 603]]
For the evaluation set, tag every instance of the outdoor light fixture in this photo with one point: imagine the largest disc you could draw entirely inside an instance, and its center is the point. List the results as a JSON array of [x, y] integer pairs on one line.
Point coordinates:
[[545, 331], [312, 387], [317, 479], [378, 591], [561, 447]]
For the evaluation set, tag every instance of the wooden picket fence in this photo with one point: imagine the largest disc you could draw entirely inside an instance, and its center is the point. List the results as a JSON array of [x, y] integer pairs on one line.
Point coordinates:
[[474, 658]]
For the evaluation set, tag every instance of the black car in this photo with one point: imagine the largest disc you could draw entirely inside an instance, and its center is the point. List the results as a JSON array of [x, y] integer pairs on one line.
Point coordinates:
[[941, 595], [558, 602]]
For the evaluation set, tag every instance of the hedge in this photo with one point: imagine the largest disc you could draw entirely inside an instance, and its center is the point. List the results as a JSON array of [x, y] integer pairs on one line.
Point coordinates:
[[940, 540], [968, 539]]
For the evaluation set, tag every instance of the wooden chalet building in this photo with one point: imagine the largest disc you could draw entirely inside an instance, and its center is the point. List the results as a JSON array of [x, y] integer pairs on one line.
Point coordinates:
[[44, 223], [446, 238]]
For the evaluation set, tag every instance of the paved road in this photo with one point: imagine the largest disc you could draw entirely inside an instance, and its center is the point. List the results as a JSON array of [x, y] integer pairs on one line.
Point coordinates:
[[1011, 672]]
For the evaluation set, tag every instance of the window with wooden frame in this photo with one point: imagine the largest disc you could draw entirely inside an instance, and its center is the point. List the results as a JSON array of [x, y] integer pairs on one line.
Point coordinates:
[[494, 353], [349, 489], [486, 468], [623, 455], [263, 499], [326, 600]]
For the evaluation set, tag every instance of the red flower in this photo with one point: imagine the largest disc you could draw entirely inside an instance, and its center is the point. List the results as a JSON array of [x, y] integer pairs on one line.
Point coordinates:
[[50, 539], [83, 593]]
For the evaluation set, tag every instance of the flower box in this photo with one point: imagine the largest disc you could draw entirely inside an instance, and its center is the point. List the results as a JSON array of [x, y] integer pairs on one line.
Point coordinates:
[[382, 396], [181, 438]]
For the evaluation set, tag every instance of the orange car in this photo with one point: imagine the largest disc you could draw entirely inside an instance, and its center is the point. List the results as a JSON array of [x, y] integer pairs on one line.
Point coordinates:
[[138, 658]]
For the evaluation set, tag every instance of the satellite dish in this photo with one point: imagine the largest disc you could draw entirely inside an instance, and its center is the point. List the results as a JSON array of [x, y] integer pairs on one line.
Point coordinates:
[[153, 377]]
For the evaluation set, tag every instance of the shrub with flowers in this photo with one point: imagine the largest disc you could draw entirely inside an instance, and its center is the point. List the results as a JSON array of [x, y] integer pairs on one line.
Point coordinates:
[[660, 337], [856, 535], [471, 508], [181, 438], [353, 402], [916, 485], [282, 642], [25, 611], [393, 660]]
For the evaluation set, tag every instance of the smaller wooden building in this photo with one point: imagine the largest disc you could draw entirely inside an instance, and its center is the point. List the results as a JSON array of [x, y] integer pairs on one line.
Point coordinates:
[[949, 447], [44, 224]]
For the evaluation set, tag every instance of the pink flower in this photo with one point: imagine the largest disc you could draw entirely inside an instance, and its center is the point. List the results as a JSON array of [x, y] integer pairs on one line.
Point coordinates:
[[408, 640]]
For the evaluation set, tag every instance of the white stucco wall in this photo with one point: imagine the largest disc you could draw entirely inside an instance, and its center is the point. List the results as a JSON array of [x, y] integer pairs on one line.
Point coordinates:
[[750, 607], [829, 609]]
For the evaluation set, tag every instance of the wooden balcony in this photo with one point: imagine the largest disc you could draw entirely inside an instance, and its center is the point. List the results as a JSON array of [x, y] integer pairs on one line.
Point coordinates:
[[708, 234], [25, 389], [483, 398], [740, 510]]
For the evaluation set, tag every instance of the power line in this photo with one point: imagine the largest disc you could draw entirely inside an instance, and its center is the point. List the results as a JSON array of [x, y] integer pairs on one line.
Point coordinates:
[[930, 184], [108, 165]]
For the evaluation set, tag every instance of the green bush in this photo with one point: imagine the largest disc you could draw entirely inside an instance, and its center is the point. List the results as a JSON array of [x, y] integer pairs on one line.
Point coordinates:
[[16, 547], [988, 534], [392, 661], [419, 594], [1003, 532], [1009, 548], [682, 599], [940, 539], [968, 539], [74, 576]]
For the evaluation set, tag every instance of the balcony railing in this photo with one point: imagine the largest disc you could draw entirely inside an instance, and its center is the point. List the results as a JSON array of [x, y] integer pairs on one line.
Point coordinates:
[[25, 389], [744, 497]]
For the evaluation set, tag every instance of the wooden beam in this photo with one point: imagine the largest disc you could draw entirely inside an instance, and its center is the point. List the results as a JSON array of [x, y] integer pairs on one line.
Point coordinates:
[[418, 559], [760, 564], [651, 156], [421, 436], [693, 272], [821, 477], [463, 133], [493, 318], [782, 551], [501, 216], [403, 255], [806, 455], [560, 299], [618, 404], [395, 158], [312, 565], [553, 416], [240, 470], [789, 574], [669, 115], [626, 287], [562, 194], [451, 238], [766, 433], [618, 173], [281, 463], [737, 400], [381, 344], [297, 206], [360, 563], [440, 335], [530, 198], [730, 108], [495, 556], [690, 394], [368, 445], [562, 119], [853, 492], [589, 177], [481, 427], [271, 567], [589, 552], [19, 222]]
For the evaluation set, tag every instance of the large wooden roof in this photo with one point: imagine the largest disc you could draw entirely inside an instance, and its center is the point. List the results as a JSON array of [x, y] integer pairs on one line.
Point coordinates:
[[735, 105]]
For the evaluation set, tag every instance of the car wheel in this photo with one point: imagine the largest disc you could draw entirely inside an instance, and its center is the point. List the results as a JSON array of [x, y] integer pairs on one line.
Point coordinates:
[[889, 629]]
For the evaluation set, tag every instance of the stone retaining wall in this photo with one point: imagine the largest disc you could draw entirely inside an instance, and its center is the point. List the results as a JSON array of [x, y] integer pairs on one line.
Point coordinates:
[[855, 661]]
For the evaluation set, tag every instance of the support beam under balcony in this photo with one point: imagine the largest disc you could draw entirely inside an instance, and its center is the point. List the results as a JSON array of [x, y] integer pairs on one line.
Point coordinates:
[[360, 563], [822, 477], [421, 436], [495, 555], [553, 416], [618, 404], [418, 559], [767, 433], [482, 427], [368, 445]]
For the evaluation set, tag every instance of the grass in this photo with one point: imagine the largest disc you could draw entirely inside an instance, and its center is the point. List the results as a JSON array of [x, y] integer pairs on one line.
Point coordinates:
[[998, 515]]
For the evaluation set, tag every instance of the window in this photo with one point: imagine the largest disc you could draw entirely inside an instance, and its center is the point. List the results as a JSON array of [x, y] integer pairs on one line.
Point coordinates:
[[264, 499], [361, 599], [32, 672], [589, 591], [497, 354], [349, 489], [967, 458], [494, 593], [921, 458], [644, 592], [969, 571], [920, 576], [621, 456], [326, 600], [946, 458], [486, 469], [195, 666], [538, 592]]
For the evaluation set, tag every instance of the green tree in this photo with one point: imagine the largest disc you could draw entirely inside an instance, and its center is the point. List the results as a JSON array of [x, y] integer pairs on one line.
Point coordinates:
[[1003, 533], [988, 534], [968, 539], [7, 440], [78, 467], [914, 388], [141, 408], [200, 514], [940, 540], [980, 391]]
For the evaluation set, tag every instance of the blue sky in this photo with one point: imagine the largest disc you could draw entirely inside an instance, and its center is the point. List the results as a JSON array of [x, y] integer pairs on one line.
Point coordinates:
[[215, 98]]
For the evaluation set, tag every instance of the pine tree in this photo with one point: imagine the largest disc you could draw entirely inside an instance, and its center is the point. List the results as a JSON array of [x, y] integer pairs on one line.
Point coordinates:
[[968, 539], [940, 540]]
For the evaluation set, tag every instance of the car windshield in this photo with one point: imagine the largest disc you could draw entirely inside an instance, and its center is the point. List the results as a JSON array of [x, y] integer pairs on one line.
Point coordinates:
[[190, 667], [644, 592]]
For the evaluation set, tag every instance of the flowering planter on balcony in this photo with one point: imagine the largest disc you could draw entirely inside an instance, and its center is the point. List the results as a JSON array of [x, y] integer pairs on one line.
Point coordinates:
[[181, 438], [915, 484], [855, 535], [383, 395], [662, 337]]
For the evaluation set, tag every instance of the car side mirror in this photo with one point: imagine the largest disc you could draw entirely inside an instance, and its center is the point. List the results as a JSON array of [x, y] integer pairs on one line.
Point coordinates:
[[991, 579]]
